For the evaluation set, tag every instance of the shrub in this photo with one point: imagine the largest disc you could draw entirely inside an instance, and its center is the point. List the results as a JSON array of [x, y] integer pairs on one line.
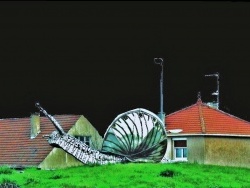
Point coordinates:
[[56, 176], [31, 181], [167, 173], [5, 170], [6, 183]]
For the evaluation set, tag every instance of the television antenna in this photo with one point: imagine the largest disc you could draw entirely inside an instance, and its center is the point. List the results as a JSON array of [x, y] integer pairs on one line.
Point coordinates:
[[216, 93]]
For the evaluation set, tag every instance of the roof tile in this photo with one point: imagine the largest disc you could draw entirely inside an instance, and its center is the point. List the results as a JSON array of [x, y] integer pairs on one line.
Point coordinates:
[[16, 146]]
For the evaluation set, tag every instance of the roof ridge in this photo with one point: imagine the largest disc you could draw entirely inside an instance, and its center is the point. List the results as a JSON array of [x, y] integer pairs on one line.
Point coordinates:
[[17, 118], [1, 119], [63, 115], [201, 117]]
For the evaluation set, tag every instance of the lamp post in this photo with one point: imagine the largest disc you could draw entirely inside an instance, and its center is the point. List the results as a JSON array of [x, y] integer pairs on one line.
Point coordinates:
[[159, 61], [216, 92]]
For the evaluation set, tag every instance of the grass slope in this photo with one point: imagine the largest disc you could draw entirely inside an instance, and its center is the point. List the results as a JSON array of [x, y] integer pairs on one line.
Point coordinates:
[[143, 175]]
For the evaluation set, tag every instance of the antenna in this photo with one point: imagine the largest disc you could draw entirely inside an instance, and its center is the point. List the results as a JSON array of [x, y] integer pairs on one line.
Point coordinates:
[[216, 93]]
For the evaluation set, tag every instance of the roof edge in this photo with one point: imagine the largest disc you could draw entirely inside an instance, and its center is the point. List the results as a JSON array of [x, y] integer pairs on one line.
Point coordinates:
[[220, 135]]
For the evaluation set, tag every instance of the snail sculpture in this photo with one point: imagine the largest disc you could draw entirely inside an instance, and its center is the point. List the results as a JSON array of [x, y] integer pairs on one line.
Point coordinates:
[[134, 136]]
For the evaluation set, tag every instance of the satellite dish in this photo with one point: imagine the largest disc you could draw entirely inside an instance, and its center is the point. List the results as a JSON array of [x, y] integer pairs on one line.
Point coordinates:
[[175, 131]]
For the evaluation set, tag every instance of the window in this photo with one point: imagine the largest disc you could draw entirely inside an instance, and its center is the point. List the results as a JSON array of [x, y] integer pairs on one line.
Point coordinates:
[[85, 139], [180, 149]]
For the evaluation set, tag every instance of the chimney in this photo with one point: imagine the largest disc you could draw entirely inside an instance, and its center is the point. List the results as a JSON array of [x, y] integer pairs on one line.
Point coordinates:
[[34, 125]]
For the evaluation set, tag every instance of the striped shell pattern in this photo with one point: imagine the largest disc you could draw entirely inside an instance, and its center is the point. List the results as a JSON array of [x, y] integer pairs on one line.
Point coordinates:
[[138, 135]]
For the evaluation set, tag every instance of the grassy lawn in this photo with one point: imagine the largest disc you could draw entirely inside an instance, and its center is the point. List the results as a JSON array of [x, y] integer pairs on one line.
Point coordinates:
[[175, 175]]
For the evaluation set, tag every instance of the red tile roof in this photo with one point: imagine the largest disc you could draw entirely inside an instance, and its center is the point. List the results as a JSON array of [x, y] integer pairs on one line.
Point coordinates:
[[200, 118], [16, 146]]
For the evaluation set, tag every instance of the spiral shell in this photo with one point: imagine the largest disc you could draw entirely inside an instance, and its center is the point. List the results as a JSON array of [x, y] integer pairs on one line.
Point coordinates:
[[139, 135]]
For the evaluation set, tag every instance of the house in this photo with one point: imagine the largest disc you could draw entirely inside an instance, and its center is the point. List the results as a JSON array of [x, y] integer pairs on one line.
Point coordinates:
[[206, 135], [23, 140]]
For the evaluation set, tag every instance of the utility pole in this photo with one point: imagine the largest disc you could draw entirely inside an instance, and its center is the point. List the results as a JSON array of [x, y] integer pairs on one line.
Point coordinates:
[[160, 61]]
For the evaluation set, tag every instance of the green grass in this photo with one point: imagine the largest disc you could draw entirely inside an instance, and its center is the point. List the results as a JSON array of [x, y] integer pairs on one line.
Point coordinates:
[[175, 175]]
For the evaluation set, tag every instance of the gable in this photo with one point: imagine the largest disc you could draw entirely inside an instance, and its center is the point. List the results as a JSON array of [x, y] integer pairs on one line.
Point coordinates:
[[58, 158]]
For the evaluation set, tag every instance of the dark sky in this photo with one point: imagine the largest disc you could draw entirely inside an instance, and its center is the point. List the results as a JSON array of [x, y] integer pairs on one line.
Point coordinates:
[[96, 58]]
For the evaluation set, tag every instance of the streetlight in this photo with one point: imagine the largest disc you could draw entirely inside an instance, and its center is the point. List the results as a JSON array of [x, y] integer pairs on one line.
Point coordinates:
[[216, 92], [159, 61]]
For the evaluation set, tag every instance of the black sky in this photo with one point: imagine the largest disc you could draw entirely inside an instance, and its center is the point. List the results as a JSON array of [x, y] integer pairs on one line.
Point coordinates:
[[96, 58]]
